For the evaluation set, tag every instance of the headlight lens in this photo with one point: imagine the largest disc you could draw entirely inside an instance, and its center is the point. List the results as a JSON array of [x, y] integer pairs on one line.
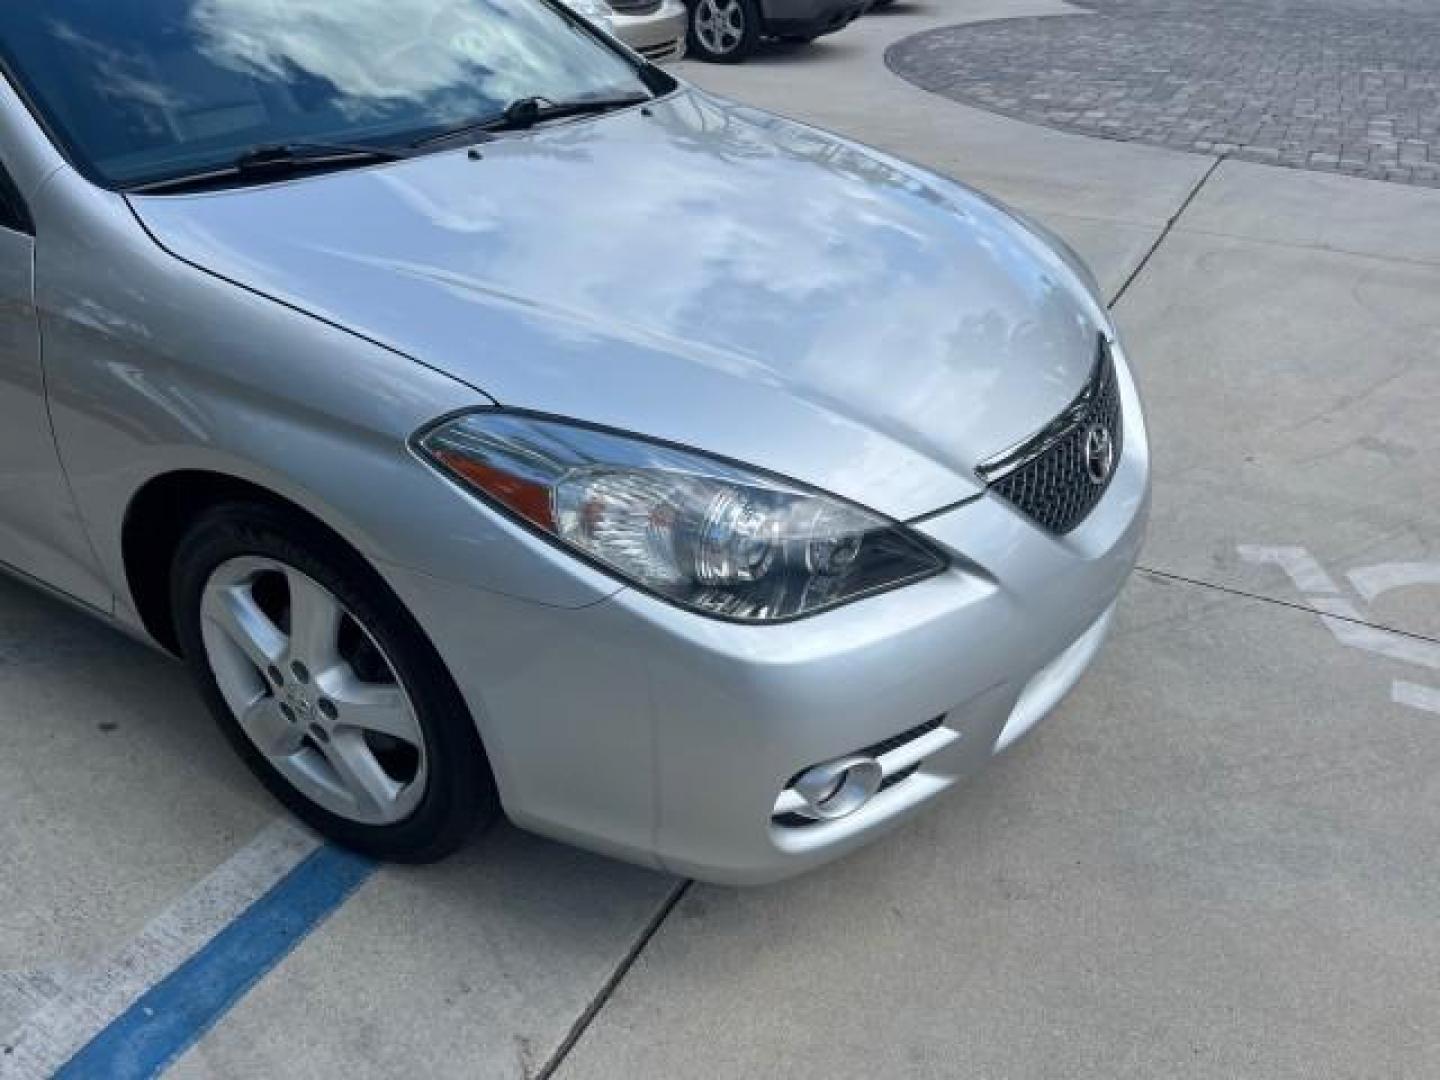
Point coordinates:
[[715, 537]]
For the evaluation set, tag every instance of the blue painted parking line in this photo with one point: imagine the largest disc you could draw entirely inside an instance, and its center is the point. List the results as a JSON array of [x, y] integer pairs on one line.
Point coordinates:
[[173, 1014], [60, 1014]]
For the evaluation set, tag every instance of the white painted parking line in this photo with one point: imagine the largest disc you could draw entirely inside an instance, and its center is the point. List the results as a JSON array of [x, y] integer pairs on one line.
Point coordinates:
[[1416, 696], [1307, 574], [1372, 581], [1361, 635], [1347, 620], [84, 1007]]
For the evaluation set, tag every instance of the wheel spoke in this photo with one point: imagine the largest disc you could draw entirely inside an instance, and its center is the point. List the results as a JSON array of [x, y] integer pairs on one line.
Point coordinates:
[[324, 716], [236, 613], [709, 25], [314, 623], [375, 707], [269, 729], [720, 24], [358, 771]]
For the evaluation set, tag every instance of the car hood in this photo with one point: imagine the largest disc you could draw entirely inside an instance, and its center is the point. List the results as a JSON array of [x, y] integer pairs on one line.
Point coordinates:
[[698, 272]]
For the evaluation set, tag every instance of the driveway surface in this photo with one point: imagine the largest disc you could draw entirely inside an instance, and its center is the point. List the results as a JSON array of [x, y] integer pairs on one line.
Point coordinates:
[[1348, 86], [1216, 860]]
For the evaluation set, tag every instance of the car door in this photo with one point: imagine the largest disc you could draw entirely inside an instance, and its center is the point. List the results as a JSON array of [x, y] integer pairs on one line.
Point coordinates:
[[40, 531]]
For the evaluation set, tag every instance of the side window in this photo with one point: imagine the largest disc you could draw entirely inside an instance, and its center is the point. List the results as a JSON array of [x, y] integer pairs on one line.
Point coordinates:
[[13, 214]]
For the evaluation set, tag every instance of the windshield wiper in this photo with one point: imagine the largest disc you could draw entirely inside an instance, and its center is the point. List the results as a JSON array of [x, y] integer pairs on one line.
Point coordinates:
[[526, 112], [277, 160]]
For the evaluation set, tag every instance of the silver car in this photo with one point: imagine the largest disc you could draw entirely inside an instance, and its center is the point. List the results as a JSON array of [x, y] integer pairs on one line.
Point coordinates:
[[491, 422], [653, 28]]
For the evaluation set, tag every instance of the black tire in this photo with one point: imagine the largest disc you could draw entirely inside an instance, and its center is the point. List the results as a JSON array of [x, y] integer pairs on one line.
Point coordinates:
[[751, 29], [460, 790]]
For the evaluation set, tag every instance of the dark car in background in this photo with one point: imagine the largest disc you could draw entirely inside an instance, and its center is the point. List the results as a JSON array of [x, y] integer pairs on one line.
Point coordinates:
[[726, 31]]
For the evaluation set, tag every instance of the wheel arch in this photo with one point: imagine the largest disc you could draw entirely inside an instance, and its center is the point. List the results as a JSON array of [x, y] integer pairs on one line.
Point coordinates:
[[156, 519], [157, 553]]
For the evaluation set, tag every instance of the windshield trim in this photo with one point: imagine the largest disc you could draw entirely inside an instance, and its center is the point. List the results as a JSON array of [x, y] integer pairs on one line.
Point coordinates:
[[660, 83], [224, 178]]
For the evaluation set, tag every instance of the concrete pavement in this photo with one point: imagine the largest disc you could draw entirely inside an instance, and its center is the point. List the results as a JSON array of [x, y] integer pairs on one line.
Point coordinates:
[[1216, 860], [1207, 865]]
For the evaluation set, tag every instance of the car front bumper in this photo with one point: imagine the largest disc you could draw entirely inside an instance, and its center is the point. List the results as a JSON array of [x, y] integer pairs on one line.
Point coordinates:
[[659, 36], [656, 735]]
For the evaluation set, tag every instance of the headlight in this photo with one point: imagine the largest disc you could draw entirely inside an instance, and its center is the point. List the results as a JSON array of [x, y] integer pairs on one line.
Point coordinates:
[[716, 537]]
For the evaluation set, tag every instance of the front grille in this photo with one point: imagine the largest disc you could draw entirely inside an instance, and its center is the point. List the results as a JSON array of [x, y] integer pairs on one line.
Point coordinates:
[[1058, 476], [634, 7]]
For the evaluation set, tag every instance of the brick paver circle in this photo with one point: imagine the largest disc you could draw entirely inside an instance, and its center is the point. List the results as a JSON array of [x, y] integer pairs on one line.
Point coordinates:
[[1349, 86]]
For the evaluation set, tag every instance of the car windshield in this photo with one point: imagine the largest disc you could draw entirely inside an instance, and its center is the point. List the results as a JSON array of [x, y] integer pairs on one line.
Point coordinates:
[[138, 91]]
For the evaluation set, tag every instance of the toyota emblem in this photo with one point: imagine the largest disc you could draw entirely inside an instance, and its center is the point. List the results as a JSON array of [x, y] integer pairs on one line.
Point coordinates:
[[1099, 453]]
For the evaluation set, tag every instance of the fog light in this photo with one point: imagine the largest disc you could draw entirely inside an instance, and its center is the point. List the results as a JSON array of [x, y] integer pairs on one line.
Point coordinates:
[[837, 788]]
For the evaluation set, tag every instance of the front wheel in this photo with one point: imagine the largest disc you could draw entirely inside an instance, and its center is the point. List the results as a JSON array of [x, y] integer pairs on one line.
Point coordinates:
[[723, 31], [326, 686]]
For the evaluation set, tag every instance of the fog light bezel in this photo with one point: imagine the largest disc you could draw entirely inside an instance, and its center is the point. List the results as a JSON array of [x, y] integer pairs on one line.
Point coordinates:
[[836, 789]]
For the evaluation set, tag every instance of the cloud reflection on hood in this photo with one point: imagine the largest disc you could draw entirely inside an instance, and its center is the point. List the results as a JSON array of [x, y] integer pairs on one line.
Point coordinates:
[[702, 272], [377, 53]]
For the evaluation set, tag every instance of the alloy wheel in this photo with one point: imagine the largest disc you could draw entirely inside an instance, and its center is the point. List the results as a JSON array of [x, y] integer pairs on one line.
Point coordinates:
[[720, 25], [313, 691]]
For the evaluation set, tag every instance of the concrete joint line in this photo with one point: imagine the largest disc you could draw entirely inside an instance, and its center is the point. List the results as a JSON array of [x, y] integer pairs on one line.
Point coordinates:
[[1347, 613], [1165, 232], [603, 995]]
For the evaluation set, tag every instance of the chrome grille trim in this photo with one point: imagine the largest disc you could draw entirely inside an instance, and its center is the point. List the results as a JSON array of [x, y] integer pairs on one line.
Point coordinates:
[[1041, 476]]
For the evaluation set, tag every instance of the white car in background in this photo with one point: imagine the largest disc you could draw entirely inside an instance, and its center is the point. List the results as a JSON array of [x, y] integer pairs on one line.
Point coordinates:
[[653, 28]]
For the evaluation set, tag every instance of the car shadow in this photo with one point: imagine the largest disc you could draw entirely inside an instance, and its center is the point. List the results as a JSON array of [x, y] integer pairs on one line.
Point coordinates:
[[829, 49]]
